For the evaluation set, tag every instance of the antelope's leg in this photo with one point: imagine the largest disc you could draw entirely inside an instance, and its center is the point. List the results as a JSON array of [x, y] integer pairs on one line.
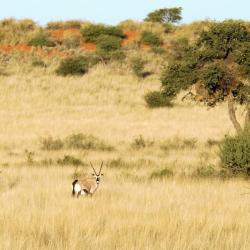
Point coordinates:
[[79, 193]]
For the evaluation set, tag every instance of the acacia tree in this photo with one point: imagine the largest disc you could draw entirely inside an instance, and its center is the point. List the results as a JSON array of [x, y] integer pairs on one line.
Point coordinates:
[[215, 69], [165, 15]]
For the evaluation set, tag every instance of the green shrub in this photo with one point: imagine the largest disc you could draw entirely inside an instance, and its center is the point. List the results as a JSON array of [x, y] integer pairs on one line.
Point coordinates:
[[204, 171], [155, 99], [40, 40], [86, 142], [71, 42], [109, 48], [150, 38], [108, 43], [137, 66], [161, 174], [92, 32], [77, 65], [69, 160], [49, 143], [235, 152]]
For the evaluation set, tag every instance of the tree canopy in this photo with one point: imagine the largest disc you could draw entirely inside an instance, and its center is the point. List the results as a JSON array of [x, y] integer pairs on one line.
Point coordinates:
[[216, 67], [165, 15]]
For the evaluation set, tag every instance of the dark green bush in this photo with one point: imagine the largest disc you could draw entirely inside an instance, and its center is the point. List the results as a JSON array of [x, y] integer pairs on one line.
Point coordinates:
[[40, 40], [77, 65], [109, 48], [235, 152], [149, 38], [92, 32], [108, 43], [156, 99], [137, 66]]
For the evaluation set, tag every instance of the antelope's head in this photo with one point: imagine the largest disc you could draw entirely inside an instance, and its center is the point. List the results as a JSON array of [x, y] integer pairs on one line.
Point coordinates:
[[97, 175]]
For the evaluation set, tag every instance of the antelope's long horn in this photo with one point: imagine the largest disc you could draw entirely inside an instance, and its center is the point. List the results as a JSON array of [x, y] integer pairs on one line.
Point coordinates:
[[93, 167], [100, 168]]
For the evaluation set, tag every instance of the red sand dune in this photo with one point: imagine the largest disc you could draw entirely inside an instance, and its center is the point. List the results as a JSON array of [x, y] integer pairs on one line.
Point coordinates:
[[28, 49], [130, 37], [60, 33], [88, 46]]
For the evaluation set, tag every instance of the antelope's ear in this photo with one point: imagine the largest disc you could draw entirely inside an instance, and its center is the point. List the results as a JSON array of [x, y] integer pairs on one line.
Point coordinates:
[[102, 174], [93, 174]]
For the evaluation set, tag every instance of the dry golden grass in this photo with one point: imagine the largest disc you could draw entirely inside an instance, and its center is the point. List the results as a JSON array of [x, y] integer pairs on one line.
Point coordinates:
[[38, 212], [130, 210]]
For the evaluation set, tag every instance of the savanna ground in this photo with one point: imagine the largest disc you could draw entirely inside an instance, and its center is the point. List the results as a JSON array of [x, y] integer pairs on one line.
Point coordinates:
[[163, 187]]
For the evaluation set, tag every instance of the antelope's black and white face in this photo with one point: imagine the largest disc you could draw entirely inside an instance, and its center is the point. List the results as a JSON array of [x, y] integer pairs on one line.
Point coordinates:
[[97, 176]]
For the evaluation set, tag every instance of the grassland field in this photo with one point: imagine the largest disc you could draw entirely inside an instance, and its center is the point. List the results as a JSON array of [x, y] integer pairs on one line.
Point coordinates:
[[162, 187]]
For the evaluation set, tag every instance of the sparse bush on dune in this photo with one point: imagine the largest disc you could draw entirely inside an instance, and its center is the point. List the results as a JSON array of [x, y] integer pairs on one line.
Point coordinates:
[[92, 32], [151, 39], [77, 65], [41, 39], [70, 24], [109, 48], [14, 31]]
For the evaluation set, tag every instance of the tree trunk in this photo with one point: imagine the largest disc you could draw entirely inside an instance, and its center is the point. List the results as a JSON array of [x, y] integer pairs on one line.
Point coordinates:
[[232, 115], [247, 118]]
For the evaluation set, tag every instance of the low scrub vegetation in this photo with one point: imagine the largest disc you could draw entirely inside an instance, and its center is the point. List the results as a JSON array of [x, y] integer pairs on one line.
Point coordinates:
[[179, 144], [160, 174], [69, 160], [77, 65], [49, 143], [137, 66], [92, 32], [86, 142], [235, 153], [150, 39], [41, 40], [155, 99]]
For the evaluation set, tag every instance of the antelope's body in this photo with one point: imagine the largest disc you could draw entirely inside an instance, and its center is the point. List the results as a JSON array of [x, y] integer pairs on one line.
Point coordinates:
[[86, 186]]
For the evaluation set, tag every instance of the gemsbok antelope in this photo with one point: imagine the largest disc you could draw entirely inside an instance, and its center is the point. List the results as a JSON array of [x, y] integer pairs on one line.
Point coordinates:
[[87, 186]]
